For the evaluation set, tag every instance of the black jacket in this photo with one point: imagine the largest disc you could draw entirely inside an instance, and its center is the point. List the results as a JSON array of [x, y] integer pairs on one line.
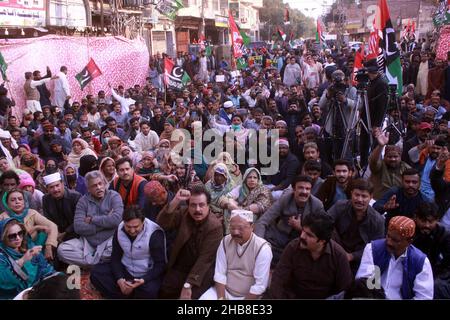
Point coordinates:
[[64, 219], [377, 94], [372, 228], [441, 189], [436, 246]]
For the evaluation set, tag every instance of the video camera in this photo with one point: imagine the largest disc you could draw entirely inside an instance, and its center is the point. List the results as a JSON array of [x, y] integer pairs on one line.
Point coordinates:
[[338, 86], [362, 77]]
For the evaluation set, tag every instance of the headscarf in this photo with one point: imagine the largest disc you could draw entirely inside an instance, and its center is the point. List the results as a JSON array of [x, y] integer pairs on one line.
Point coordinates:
[[87, 163], [134, 156], [75, 158], [229, 162], [19, 217], [222, 169], [244, 191], [403, 225], [81, 183], [35, 270]]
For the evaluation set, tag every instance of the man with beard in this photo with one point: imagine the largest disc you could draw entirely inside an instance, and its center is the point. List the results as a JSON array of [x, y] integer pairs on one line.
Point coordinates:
[[434, 240], [311, 152], [242, 262], [402, 270], [387, 172], [97, 216], [356, 222], [43, 141], [336, 187], [281, 223], [313, 266], [190, 268], [157, 121], [426, 161], [128, 184], [288, 167], [420, 140], [404, 200]]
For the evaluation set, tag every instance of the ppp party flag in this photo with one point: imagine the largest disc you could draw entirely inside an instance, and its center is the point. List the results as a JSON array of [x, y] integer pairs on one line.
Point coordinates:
[[89, 73]]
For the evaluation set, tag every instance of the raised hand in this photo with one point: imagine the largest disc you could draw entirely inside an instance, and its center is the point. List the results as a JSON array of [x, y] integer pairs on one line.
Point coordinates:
[[391, 204]]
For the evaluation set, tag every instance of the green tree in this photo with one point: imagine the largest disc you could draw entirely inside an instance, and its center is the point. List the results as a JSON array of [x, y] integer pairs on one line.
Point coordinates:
[[272, 16]]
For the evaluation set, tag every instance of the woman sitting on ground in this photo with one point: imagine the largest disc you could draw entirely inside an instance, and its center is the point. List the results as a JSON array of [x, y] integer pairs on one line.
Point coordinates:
[[22, 264], [41, 230]]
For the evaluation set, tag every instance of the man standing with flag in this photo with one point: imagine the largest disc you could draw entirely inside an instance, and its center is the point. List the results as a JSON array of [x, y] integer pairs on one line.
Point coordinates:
[[62, 89]]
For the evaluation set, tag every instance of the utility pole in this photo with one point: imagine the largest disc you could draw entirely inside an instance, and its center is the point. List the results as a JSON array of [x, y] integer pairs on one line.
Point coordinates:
[[102, 19]]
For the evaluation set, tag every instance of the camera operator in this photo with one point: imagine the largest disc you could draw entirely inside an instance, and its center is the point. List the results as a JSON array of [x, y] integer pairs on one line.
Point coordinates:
[[377, 96], [338, 96]]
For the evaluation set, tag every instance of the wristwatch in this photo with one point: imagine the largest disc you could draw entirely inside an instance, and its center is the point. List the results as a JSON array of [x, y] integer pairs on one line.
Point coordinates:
[[187, 285]]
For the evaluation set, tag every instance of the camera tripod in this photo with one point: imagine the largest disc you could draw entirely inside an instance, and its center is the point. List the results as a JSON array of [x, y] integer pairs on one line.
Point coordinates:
[[357, 124], [388, 122]]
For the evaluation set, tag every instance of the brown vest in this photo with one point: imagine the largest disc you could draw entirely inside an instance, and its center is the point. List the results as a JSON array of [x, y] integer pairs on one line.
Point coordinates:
[[30, 93], [240, 269]]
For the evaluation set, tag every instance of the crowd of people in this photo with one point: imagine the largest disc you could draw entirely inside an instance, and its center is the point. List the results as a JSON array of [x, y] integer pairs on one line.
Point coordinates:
[[103, 184]]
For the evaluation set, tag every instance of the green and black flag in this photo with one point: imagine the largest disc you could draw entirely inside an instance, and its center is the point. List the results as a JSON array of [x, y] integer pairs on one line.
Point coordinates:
[[391, 53], [89, 73]]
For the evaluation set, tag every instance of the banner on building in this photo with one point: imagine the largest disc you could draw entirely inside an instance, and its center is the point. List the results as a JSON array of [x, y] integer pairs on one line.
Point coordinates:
[[169, 8], [20, 13]]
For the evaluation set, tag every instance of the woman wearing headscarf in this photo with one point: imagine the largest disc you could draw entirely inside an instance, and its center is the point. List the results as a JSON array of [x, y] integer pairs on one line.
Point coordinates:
[[27, 184], [88, 163], [74, 181], [233, 168], [41, 230], [80, 148], [125, 151], [169, 127], [51, 166], [22, 264], [30, 164], [162, 150], [23, 149], [108, 169], [251, 195], [220, 185]]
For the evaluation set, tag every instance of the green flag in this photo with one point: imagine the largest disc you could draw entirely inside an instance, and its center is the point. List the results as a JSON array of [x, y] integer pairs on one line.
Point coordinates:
[[208, 50], [3, 67], [241, 64], [245, 38], [185, 79]]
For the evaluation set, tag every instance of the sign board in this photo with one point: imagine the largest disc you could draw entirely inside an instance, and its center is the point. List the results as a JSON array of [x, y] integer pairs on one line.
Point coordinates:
[[221, 21], [16, 13], [220, 78]]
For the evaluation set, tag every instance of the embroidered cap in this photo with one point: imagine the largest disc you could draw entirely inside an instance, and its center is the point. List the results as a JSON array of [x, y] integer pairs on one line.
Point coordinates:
[[244, 214], [52, 178], [404, 225]]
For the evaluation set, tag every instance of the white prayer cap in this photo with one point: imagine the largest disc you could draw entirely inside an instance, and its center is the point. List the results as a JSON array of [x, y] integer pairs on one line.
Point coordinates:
[[228, 104], [244, 214], [5, 134], [52, 178]]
